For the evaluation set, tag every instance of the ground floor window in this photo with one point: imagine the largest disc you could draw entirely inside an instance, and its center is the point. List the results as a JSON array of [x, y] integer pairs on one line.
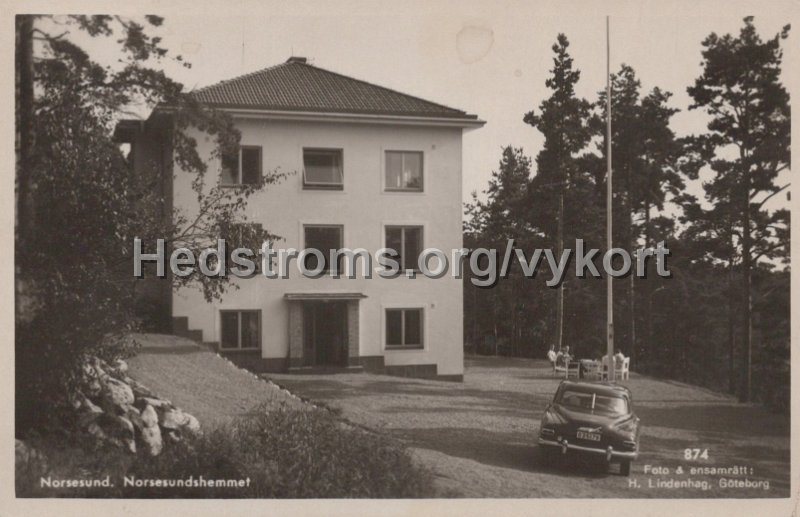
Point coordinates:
[[240, 329], [404, 328]]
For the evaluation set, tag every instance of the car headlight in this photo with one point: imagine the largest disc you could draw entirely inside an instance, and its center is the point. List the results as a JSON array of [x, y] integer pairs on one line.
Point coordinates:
[[627, 427], [551, 418]]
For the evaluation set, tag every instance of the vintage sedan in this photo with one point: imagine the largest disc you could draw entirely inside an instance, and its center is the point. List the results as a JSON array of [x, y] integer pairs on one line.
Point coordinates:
[[591, 418]]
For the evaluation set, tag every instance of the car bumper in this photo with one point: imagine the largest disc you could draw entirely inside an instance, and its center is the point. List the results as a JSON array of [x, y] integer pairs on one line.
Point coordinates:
[[609, 452]]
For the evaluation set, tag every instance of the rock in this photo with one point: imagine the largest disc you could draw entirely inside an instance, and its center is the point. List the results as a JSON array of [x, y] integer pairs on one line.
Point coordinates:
[[139, 390], [156, 403], [89, 370], [126, 426], [116, 426], [172, 435], [127, 444], [88, 405], [75, 401], [99, 364], [192, 424], [120, 366], [27, 457], [151, 439], [120, 430], [172, 418], [22, 453], [96, 432], [135, 418], [176, 420], [89, 411], [149, 416], [117, 395], [94, 388], [113, 429], [97, 368]]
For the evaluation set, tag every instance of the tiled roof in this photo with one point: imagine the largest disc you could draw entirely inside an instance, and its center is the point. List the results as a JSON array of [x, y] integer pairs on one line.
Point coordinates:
[[298, 86]]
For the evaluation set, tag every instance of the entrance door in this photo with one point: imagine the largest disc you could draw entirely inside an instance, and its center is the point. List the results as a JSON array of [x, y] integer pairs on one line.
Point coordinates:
[[325, 334]]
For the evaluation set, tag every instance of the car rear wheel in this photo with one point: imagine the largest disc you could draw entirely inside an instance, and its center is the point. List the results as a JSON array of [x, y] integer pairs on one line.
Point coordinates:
[[625, 468]]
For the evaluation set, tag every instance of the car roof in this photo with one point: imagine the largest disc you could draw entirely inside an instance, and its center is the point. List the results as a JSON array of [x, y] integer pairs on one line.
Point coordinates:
[[605, 388]]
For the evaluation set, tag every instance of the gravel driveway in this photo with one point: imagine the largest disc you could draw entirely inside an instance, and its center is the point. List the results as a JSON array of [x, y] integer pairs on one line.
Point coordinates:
[[479, 435]]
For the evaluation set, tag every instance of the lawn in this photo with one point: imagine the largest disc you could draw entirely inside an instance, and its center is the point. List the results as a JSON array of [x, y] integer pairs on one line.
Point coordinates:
[[201, 382]]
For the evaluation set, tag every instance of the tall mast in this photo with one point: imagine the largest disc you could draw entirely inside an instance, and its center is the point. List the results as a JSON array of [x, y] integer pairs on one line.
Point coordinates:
[[609, 218]]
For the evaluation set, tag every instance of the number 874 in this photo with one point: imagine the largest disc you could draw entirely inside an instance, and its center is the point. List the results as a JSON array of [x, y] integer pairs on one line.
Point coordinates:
[[695, 454]]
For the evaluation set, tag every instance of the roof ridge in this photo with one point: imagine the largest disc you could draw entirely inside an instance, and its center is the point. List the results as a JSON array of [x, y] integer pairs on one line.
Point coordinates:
[[376, 86], [239, 77], [301, 85]]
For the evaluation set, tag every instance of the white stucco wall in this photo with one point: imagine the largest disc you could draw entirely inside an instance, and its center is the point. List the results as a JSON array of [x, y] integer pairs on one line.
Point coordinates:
[[363, 208]]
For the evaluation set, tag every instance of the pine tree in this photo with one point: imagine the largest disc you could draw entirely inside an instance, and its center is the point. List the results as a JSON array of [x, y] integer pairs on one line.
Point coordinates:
[[740, 88], [647, 158], [562, 119]]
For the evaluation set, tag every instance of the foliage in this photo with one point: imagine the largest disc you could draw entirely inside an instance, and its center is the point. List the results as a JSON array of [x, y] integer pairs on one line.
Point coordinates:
[[561, 188], [285, 453], [693, 326], [80, 206], [748, 145]]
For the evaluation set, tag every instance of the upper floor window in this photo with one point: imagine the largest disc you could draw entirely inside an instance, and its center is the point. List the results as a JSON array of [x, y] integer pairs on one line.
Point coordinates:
[[324, 238], [407, 242], [404, 171], [242, 167], [322, 169], [242, 235]]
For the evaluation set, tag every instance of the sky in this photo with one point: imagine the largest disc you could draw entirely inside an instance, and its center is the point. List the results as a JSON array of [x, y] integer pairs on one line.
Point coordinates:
[[489, 61]]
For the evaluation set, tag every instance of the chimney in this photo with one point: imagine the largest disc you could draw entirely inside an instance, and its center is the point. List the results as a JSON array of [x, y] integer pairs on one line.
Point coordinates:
[[296, 59]]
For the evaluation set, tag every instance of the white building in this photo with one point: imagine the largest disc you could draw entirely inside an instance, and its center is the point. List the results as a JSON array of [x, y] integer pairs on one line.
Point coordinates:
[[373, 168]]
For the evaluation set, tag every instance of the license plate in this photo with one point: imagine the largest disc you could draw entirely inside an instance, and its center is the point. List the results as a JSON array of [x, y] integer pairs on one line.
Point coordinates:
[[594, 437]]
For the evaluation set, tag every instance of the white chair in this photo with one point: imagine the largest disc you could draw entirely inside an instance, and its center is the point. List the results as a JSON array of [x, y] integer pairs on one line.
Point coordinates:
[[592, 370], [553, 358], [622, 369], [604, 367], [573, 369]]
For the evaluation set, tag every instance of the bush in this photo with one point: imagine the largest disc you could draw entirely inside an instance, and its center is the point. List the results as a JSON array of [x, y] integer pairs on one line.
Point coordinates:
[[284, 454]]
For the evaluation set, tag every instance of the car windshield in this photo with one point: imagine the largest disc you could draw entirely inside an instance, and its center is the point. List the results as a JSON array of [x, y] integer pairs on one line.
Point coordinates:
[[594, 402]]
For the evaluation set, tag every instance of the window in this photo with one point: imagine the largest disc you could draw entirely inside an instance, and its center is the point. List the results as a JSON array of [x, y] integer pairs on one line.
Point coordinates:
[[240, 330], [593, 401], [404, 171], [243, 167], [243, 235], [324, 239], [407, 242], [404, 328], [322, 169]]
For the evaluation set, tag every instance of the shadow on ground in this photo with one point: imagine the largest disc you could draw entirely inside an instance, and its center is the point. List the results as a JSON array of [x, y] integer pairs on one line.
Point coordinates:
[[481, 434]]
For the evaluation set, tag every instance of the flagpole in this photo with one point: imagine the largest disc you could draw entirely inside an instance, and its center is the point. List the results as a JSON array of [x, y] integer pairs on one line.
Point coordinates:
[[609, 190]]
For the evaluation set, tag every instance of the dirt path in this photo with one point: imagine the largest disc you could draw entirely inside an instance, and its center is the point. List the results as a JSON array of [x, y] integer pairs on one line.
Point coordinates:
[[479, 436]]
